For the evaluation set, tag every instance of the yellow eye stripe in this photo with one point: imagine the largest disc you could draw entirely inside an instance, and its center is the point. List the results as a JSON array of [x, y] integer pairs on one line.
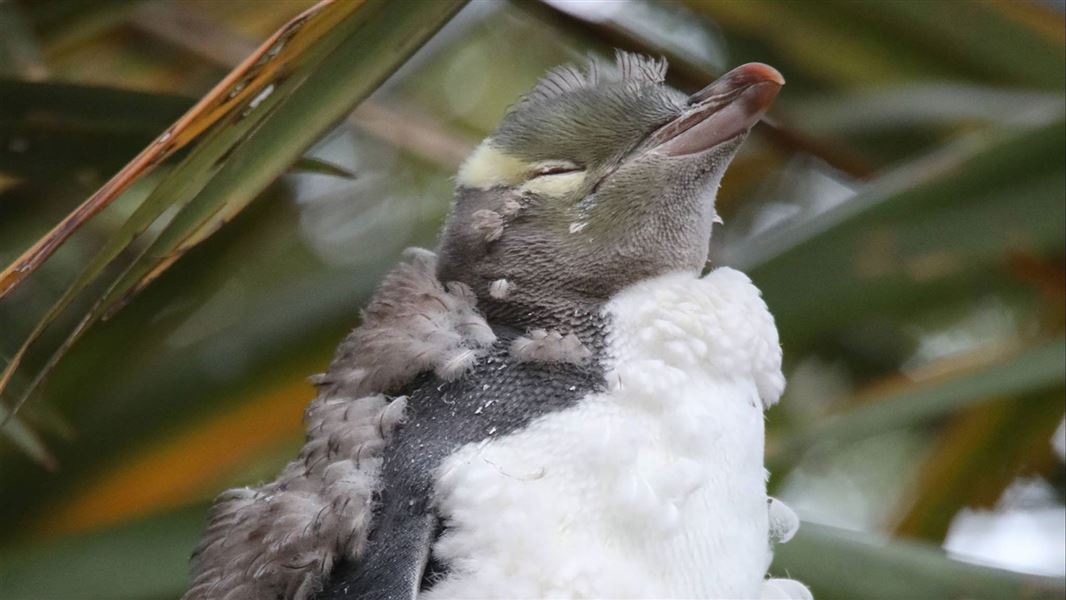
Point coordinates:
[[555, 186], [488, 167]]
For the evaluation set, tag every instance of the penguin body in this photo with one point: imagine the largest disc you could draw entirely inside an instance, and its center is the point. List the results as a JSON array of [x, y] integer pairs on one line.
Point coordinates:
[[555, 404]]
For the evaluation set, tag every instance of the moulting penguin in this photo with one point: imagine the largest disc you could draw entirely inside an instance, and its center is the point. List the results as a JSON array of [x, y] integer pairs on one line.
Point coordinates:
[[556, 403]]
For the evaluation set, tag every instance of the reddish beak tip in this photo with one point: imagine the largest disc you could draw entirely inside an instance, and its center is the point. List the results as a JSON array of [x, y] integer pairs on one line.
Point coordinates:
[[758, 72]]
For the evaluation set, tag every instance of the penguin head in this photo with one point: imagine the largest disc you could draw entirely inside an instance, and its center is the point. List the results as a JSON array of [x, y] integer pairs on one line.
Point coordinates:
[[598, 178]]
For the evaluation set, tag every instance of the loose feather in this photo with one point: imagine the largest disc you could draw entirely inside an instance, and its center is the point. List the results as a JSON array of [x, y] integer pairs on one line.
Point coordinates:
[[280, 539]]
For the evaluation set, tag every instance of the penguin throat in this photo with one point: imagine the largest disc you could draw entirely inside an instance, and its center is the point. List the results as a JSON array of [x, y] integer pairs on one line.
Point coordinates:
[[586, 320]]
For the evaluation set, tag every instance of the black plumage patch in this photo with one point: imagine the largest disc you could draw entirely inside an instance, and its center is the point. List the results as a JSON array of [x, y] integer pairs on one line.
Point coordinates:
[[499, 396]]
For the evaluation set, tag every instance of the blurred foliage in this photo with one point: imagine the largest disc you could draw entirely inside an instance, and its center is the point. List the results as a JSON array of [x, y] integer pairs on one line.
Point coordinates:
[[902, 209]]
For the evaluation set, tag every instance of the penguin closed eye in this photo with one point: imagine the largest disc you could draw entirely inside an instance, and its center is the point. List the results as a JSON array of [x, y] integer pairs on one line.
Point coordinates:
[[555, 402]]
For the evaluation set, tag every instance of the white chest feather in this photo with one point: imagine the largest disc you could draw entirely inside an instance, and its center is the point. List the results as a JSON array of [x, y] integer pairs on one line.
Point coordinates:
[[653, 488]]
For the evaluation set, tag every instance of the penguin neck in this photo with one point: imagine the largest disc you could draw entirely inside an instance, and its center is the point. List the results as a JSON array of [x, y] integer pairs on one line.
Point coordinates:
[[584, 318]]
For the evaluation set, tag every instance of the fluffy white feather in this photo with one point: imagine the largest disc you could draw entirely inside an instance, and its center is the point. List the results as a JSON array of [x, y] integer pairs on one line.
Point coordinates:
[[785, 589], [499, 289], [783, 522], [654, 488]]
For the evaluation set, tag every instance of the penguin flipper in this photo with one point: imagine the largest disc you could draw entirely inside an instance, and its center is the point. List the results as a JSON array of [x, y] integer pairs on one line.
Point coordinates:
[[392, 567]]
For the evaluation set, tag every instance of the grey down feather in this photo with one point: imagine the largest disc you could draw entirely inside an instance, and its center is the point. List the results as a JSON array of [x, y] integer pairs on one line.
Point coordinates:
[[280, 539]]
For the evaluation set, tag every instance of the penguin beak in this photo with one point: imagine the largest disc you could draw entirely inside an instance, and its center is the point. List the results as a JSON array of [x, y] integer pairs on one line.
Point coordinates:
[[721, 111]]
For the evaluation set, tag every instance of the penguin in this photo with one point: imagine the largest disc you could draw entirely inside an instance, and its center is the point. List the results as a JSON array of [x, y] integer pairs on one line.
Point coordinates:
[[555, 403]]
